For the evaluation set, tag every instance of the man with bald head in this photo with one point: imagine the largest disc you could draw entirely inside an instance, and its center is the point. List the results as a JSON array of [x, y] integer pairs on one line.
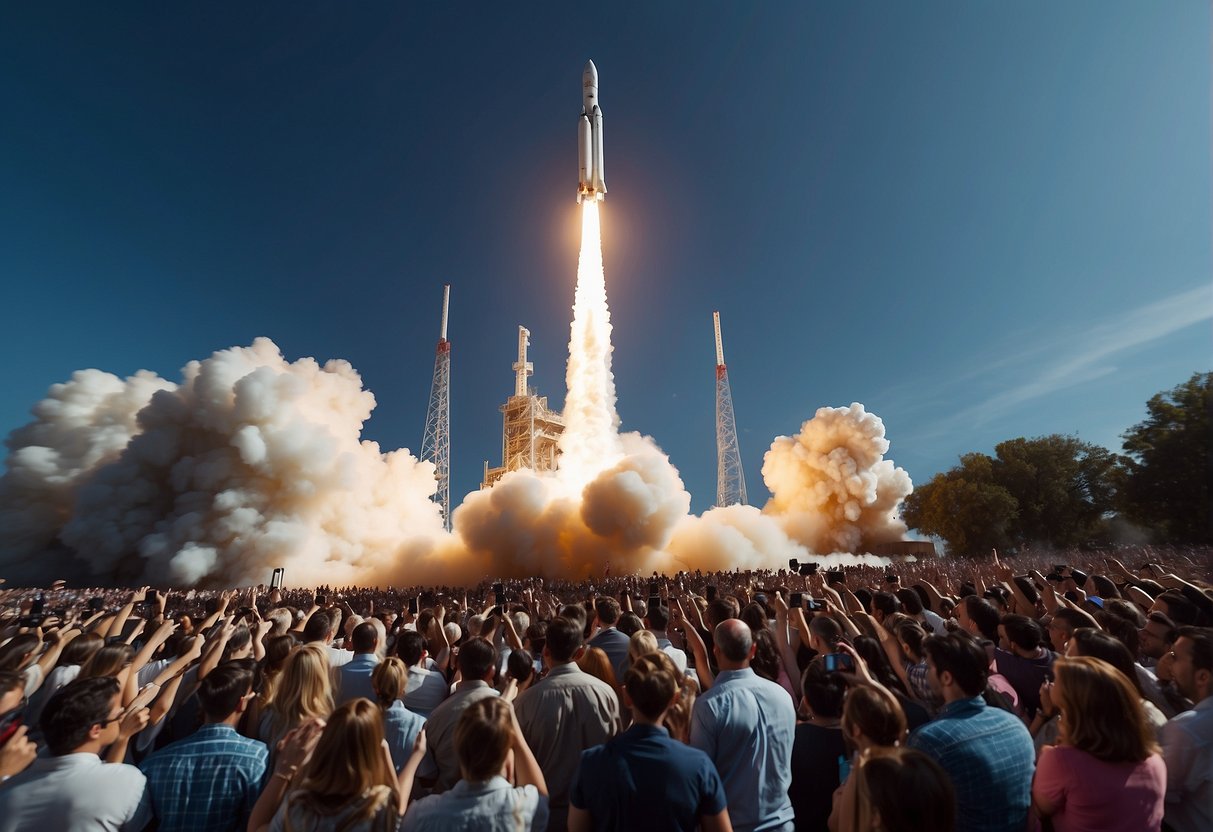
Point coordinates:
[[746, 725]]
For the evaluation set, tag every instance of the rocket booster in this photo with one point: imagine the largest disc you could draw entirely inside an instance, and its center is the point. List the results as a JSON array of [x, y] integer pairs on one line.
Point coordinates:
[[591, 183]]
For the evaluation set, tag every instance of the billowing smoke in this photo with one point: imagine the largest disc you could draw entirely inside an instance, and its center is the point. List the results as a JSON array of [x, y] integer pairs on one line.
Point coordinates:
[[252, 462], [81, 425], [831, 487]]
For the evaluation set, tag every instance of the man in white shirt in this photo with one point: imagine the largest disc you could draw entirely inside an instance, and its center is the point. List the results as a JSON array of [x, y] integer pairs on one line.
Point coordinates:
[[426, 689], [320, 628], [73, 790]]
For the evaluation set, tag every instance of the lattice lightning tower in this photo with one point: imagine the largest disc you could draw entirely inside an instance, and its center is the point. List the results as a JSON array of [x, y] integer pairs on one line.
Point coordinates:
[[436, 445], [730, 478]]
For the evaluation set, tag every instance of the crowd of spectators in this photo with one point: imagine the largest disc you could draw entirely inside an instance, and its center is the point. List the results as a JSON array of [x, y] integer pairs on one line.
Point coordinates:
[[1041, 691]]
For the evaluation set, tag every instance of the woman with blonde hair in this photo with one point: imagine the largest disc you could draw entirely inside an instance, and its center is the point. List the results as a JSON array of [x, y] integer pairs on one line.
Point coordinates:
[[304, 692], [400, 725], [895, 790], [641, 644], [336, 778], [1106, 772]]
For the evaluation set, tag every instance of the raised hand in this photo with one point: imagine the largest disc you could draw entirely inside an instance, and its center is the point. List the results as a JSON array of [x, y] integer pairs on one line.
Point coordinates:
[[133, 722]]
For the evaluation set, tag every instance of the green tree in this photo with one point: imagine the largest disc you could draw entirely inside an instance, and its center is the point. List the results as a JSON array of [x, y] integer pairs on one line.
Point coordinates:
[[1063, 487], [1171, 458], [965, 507]]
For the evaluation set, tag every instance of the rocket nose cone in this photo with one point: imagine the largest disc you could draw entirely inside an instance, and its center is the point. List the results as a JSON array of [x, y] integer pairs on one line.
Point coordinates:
[[590, 71]]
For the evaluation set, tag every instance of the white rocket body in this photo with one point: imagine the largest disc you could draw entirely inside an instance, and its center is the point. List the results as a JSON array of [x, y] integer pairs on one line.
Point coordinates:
[[591, 182]]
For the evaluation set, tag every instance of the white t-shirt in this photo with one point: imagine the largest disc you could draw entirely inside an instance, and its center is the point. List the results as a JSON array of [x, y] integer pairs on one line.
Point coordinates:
[[75, 793]]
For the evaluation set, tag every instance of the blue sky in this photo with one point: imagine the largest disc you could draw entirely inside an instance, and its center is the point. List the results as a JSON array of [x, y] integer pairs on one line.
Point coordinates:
[[981, 220]]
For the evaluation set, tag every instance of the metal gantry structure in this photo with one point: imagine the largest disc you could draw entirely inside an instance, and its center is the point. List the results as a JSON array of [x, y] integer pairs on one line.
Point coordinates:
[[530, 430], [436, 444], [730, 477]]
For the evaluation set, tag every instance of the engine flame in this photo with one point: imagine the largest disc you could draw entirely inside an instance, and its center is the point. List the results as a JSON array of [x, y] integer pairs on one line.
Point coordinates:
[[590, 442]]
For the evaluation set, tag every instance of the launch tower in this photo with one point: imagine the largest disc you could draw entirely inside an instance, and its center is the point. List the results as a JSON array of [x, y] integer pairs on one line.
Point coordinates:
[[730, 477], [436, 445], [530, 431]]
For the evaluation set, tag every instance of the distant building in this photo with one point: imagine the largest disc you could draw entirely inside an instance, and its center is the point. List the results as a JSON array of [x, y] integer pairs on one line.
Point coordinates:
[[902, 548]]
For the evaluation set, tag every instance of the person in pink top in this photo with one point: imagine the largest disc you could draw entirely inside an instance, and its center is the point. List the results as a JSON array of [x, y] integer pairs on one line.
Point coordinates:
[[1106, 773]]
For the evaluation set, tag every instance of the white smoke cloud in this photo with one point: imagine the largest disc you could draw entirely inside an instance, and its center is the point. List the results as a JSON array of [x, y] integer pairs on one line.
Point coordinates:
[[82, 424], [831, 487], [250, 463]]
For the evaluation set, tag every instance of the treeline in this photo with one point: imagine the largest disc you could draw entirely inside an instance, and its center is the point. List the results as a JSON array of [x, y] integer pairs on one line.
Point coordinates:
[[1059, 491]]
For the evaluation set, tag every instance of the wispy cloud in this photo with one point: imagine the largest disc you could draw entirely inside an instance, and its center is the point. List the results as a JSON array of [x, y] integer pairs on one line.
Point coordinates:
[[1079, 355]]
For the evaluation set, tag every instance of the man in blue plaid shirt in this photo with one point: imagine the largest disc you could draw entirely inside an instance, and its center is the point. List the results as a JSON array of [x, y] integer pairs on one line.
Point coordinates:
[[987, 752], [209, 781]]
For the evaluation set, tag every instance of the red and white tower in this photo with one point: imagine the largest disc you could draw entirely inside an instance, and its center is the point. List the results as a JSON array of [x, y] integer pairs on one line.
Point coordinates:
[[436, 444], [730, 477]]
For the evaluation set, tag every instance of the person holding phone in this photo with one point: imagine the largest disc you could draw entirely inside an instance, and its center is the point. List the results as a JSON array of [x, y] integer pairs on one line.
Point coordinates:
[[819, 744], [72, 789], [17, 750]]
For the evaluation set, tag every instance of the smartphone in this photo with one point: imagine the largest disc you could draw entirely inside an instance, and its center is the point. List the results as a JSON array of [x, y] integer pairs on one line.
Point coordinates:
[[835, 662], [796, 600], [276, 578], [890, 578], [96, 603], [710, 592], [844, 768], [321, 600], [793, 564], [835, 576], [38, 607], [413, 605], [815, 605], [654, 601], [10, 722], [653, 589], [499, 592]]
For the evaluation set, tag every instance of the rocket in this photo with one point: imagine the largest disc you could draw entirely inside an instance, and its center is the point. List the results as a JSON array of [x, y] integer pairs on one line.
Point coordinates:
[[591, 183]]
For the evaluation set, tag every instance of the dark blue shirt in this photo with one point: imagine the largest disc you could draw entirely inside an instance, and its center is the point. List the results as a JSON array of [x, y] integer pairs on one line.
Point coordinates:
[[644, 780]]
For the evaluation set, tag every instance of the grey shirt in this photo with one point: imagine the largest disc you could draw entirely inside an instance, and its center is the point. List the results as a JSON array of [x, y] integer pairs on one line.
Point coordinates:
[[561, 716], [441, 759]]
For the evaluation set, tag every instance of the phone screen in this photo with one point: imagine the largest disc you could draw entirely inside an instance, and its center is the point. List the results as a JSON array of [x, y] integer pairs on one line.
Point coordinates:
[[796, 600], [835, 662]]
